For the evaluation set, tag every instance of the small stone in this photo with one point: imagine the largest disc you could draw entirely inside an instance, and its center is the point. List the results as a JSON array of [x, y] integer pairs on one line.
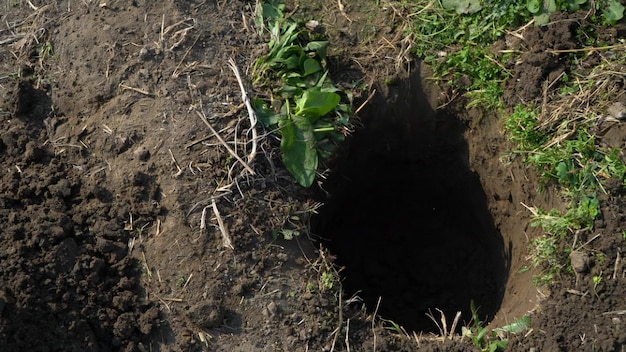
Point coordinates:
[[142, 153], [580, 261], [144, 54], [617, 110], [272, 309]]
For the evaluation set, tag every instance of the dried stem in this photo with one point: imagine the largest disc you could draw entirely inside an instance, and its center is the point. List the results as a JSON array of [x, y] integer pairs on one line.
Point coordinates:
[[230, 150], [225, 237], [251, 114]]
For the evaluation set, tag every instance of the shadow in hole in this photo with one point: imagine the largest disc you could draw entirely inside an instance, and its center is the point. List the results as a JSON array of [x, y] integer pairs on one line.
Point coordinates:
[[408, 218]]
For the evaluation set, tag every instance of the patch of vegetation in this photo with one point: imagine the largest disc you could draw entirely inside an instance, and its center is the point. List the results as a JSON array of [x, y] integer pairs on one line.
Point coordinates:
[[492, 340], [454, 37], [612, 10], [308, 111], [570, 159]]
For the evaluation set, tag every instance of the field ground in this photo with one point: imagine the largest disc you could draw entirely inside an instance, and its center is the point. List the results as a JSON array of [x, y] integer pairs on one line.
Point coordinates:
[[128, 225]]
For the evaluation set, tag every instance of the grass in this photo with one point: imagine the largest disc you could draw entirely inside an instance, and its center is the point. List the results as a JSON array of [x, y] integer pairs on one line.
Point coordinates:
[[455, 42], [492, 340], [562, 147], [556, 133]]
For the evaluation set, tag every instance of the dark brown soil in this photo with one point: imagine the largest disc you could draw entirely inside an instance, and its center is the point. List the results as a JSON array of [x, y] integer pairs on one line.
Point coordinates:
[[109, 237]]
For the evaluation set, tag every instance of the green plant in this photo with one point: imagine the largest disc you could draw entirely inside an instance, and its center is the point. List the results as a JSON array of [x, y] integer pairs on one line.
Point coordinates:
[[392, 326], [482, 337], [597, 280], [568, 156], [612, 10], [310, 112], [327, 280], [520, 325], [545, 254], [181, 281], [287, 234], [291, 228], [453, 37]]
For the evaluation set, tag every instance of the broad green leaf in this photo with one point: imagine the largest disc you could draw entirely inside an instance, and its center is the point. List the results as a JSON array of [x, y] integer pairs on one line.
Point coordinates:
[[550, 5], [562, 171], [534, 6], [289, 91], [614, 12], [311, 66], [520, 325], [463, 6], [545, 9], [264, 113], [319, 47], [542, 19], [270, 11], [314, 103], [298, 148]]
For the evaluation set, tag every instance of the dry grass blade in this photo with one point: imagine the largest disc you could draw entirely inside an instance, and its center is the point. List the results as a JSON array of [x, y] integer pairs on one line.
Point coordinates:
[[443, 327], [223, 142], [125, 87], [563, 111], [226, 242], [251, 112], [374, 320]]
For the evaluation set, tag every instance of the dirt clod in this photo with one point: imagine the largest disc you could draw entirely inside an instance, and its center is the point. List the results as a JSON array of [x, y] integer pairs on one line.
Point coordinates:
[[580, 261]]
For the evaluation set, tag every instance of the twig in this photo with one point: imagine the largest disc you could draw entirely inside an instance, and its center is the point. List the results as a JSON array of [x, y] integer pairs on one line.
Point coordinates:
[[251, 113], [531, 209], [348, 335], [356, 112], [32, 6], [342, 10], [175, 74], [206, 122], [145, 263], [338, 329], [123, 86], [616, 266], [225, 237], [374, 320], [203, 218], [618, 312], [617, 46], [180, 171]]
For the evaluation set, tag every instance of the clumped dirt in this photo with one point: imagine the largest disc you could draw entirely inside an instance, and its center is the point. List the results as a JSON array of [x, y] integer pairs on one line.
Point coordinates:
[[110, 178]]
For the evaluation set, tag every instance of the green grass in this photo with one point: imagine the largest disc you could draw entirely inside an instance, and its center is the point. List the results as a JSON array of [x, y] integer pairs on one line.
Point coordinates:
[[455, 42], [488, 339], [456, 37], [576, 165]]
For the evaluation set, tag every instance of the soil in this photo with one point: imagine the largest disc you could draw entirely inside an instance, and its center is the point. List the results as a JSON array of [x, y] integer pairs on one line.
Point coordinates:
[[110, 180]]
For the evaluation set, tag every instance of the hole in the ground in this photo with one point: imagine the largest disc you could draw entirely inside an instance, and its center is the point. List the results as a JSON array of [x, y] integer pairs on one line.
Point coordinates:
[[409, 220]]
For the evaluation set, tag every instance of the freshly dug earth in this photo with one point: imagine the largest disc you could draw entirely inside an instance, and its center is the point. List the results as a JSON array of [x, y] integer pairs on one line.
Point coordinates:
[[110, 180]]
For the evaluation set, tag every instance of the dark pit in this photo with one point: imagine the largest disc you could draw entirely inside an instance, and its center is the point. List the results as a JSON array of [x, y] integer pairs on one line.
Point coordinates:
[[408, 219]]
